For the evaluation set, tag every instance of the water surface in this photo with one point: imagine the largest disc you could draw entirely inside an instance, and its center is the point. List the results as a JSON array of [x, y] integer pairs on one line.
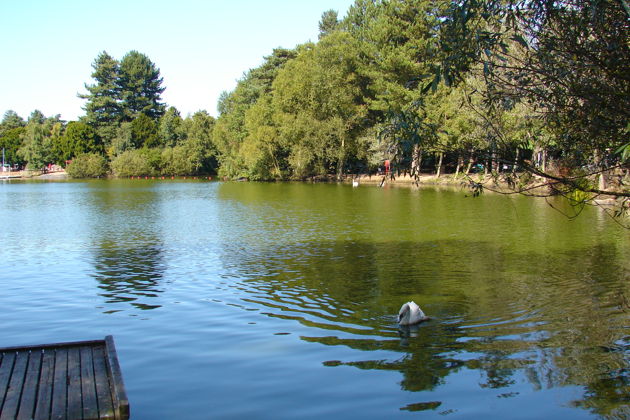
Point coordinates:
[[229, 300]]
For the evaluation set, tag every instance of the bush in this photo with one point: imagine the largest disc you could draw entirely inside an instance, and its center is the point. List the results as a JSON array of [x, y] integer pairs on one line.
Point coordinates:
[[177, 161], [133, 163], [88, 165]]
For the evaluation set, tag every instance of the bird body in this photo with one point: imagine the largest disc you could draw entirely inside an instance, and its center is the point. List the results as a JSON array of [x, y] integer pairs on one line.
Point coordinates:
[[410, 313]]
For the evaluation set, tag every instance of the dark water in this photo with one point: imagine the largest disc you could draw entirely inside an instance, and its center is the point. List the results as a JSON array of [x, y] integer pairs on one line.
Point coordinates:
[[276, 301]]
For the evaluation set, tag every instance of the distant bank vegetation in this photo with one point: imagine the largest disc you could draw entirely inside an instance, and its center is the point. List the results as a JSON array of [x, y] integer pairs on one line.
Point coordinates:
[[536, 87]]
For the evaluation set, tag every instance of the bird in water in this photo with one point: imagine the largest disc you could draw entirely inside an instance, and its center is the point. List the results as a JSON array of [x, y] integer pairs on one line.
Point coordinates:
[[410, 314]]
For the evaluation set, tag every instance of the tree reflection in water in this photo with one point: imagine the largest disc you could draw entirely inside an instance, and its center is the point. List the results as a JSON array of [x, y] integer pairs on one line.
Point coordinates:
[[127, 247], [552, 320], [130, 275]]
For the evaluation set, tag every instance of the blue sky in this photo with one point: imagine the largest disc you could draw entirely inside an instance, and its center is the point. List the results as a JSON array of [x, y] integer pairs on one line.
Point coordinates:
[[201, 47]]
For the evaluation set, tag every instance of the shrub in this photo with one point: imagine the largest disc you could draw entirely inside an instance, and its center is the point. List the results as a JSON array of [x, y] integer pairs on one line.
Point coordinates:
[[88, 165], [132, 163], [177, 161]]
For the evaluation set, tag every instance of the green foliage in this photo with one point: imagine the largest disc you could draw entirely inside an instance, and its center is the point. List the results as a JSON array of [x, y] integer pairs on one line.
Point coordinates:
[[134, 163], [39, 139], [123, 91], [122, 141], [413, 81], [36, 117], [78, 139], [318, 104], [88, 165], [10, 141], [231, 129], [34, 149], [103, 106], [144, 132], [176, 161], [140, 87], [328, 23], [170, 128], [198, 144], [10, 121]]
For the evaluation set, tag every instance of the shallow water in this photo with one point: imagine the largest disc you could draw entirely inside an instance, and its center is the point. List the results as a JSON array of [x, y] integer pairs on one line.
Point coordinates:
[[229, 300]]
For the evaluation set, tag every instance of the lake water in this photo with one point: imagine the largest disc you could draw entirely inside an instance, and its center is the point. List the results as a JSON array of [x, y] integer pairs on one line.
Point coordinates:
[[247, 300]]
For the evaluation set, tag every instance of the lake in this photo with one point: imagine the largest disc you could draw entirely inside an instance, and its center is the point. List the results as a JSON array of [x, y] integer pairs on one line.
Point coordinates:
[[265, 300]]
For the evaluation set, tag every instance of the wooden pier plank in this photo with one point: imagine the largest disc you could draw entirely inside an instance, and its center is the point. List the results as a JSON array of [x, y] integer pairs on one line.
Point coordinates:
[[88, 388], [121, 403], [103, 387], [45, 391], [5, 374], [28, 399], [60, 385], [64, 381], [14, 391], [75, 399]]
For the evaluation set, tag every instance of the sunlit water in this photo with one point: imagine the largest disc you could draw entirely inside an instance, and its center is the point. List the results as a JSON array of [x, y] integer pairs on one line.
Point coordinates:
[[237, 300]]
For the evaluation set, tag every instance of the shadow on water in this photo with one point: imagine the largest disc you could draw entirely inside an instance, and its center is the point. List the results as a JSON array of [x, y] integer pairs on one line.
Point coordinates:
[[552, 320]]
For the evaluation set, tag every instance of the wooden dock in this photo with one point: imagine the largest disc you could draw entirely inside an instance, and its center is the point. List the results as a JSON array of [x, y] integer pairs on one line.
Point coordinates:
[[66, 381]]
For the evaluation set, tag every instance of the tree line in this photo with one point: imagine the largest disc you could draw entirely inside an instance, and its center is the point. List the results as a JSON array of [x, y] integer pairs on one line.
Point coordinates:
[[127, 130], [537, 88]]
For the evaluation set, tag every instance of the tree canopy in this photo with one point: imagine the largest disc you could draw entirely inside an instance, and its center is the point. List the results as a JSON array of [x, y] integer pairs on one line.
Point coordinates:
[[518, 91]]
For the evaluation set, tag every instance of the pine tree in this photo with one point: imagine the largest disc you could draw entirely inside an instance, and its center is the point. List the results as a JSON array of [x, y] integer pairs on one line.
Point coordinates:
[[103, 107], [140, 87]]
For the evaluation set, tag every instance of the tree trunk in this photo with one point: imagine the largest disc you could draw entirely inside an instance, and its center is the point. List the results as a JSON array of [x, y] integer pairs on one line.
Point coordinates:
[[470, 161], [460, 164], [496, 166], [439, 165], [600, 165], [603, 184], [342, 156], [518, 152], [416, 161]]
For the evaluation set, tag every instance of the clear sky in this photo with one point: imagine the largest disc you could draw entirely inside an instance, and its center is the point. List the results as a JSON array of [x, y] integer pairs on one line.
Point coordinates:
[[202, 47]]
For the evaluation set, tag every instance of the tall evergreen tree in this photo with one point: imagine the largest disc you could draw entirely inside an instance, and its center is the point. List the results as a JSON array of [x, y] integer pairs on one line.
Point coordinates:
[[103, 107], [328, 23], [11, 120], [140, 87]]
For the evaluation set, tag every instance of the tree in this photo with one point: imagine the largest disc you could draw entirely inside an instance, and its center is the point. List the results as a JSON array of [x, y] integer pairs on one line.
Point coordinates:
[[231, 130], [263, 150], [140, 87], [36, 117], [319, 106], [103, 106], [122, 141], [144, 132], [11, 131], [10, 142], [198, 145], [10, 121], [35, 145], [170, 128], [78, 139], [328, 23], [569, 61]]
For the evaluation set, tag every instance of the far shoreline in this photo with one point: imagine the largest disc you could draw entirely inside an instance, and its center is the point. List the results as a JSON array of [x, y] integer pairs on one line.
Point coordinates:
[[463, 182]]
